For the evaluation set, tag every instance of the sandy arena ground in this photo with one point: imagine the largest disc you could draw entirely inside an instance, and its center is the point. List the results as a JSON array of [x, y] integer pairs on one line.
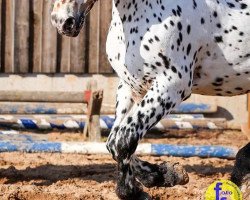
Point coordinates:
[[92, 177]]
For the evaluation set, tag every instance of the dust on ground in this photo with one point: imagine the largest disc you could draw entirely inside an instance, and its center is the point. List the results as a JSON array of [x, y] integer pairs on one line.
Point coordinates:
[[47, 176]]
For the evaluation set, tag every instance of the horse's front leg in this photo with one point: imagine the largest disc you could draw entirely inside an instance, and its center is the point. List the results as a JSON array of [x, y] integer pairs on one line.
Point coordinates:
[[124, 103], [163, 96]]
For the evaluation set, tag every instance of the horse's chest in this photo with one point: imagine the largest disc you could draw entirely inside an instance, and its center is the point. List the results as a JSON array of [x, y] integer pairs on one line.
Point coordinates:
[[123, 52], [123, 48]]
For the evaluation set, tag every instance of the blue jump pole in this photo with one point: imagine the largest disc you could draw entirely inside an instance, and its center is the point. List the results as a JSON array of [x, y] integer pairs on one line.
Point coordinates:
[[99, 148], [192, 151], [31, 144]]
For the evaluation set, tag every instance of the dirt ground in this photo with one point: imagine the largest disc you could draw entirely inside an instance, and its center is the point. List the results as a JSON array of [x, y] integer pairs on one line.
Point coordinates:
[[92, 177]]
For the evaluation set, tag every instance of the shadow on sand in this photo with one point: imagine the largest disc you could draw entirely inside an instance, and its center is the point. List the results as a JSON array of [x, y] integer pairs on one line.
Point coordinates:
[[49, 174], [45, 175]]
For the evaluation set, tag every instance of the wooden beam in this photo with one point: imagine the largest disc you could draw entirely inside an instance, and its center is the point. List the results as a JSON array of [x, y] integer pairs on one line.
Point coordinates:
[[26, 108], [78, 53], [49, 41], [9, 37], [21, 39], [41, 96], [105, 19], [94, 39], [64, 54], [92, 129], [37, 10]]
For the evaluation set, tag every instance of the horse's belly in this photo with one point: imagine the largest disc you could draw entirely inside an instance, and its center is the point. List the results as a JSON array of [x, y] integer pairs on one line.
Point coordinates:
[[222, 81]]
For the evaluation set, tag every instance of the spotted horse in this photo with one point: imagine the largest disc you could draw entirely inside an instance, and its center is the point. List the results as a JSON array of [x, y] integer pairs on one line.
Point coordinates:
[[163, 51]]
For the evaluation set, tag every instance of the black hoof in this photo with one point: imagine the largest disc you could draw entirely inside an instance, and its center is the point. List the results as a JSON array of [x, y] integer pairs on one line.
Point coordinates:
[[144, 196], [129, 191], [174, 174], [135, 194], [164, 175]]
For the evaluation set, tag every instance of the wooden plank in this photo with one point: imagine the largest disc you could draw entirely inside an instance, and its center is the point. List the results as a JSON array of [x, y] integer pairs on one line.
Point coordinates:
[[42, 96], [94, 36], [9, 37], [92, 129], [64, 54], [49, 41], [78, 53], [37, 20], [21, 36], [94, 120], [105, 17]]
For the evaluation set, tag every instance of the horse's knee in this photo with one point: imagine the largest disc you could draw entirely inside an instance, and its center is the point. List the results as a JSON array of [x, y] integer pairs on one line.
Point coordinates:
[[123, 143], [111, 146], [126, 143]]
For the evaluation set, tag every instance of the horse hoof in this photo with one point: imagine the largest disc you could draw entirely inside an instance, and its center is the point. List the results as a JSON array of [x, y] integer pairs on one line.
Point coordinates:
[[144, 196], [174, 174], [129, 192], [163, 175]]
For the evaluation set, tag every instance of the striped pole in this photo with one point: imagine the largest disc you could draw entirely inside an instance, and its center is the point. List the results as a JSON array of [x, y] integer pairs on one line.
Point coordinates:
[[100, 148], [47, 122], [12, 141], [192, 151]]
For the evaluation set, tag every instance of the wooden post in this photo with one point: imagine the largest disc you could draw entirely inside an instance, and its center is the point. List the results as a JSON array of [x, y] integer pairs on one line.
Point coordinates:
[[22, 35], [87, 98], [246, 127], [92, 129]]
